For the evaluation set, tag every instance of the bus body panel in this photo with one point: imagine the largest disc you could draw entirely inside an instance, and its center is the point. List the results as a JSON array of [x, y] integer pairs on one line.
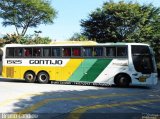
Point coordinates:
[[81, 69]]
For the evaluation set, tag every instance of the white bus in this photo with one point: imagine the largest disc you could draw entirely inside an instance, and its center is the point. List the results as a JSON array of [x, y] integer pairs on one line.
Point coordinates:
[[121, 64]]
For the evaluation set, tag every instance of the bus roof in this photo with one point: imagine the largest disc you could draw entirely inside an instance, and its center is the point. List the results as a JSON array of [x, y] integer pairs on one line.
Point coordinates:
[[73, 43]]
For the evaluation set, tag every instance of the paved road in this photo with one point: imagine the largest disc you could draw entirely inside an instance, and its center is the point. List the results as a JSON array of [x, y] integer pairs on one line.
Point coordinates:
[[78, 102]]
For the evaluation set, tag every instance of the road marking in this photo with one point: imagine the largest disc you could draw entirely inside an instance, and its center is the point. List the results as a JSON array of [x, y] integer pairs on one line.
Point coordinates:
[[46, 101], [76, 114]]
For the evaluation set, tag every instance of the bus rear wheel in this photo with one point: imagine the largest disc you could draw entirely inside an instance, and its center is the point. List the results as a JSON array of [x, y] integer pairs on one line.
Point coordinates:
[[122, 80], [30, 77], [43, 77]]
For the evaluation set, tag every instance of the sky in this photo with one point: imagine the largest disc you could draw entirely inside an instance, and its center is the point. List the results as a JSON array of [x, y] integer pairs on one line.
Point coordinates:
[[67, 22]]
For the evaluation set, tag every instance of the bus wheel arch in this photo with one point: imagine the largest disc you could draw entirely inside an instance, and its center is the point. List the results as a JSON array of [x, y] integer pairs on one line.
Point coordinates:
[[122, 79], [30, 76], [43, 77]]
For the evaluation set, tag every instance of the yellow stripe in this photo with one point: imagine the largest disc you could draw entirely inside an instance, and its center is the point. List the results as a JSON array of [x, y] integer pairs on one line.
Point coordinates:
[[70, 68], [56, 73], [43, 102], [76, 114]]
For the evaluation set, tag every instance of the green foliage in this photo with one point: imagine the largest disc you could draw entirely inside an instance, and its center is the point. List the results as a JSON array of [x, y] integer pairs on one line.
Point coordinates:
[[39, 40], [1, 42], [13, 38], [119, 22], [78, 37], [29, 39], [26, 13]]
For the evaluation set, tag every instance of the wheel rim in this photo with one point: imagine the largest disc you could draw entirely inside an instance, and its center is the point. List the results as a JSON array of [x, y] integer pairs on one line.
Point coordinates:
[[29, 76], [43, 77], [122, 80]]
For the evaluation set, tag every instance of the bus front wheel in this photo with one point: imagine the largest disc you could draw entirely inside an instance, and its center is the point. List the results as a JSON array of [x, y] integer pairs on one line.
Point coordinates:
[[43, 77], [122, 80], [30, 77]]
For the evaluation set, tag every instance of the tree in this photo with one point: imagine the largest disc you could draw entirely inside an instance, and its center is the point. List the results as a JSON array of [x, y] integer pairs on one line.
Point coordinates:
[[28, 39], [26, 13], [36, 39], [122, 22], [78, 37]]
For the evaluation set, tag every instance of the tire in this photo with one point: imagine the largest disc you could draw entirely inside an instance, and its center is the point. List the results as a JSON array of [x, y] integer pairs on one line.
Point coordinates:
[[122, 80], [30, 77], [43, 77]]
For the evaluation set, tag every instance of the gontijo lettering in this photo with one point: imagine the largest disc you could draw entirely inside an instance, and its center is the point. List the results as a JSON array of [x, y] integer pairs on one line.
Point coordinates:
[[53, 62]]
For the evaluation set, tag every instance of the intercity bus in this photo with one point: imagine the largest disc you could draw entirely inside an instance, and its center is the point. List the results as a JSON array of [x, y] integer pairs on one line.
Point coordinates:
[[120, 64]]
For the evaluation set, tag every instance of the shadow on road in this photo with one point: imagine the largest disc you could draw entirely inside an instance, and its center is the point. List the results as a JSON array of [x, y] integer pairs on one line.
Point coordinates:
[[59, 104], [12, 80], [107, 86]]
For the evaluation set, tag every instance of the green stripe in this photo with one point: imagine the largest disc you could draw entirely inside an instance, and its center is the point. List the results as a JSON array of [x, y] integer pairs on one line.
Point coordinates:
[[95, 70], [84, 66]]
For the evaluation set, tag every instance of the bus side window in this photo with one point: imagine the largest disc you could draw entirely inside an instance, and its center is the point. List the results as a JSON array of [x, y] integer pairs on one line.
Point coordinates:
[[98, 51], [76, 51], [88, 51], [46, 52], [18, 52], [28, 52], [121, 51], [36, 52], [66, 52], [56, 52], [10, 52], [110, 51]]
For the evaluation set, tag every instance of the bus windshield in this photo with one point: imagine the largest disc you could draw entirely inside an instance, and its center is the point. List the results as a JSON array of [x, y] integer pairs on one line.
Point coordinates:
[[142, 59]]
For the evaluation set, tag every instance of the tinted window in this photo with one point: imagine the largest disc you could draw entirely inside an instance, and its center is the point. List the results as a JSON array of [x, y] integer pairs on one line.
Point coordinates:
[[88, 51], [10, 52], [66, 52], [76, 51], [110, 51], [142, 59], [98, 51], [27, 52], [140, 50], [56, 52], [46, 52], [18, 52], [37, 52], [122, 51]]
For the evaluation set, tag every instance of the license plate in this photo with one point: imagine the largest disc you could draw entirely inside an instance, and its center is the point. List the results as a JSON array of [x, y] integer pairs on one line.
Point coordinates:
[[142, 79]]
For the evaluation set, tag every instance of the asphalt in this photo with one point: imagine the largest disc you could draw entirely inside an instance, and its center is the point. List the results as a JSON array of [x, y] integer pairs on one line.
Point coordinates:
[[78, 102]]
